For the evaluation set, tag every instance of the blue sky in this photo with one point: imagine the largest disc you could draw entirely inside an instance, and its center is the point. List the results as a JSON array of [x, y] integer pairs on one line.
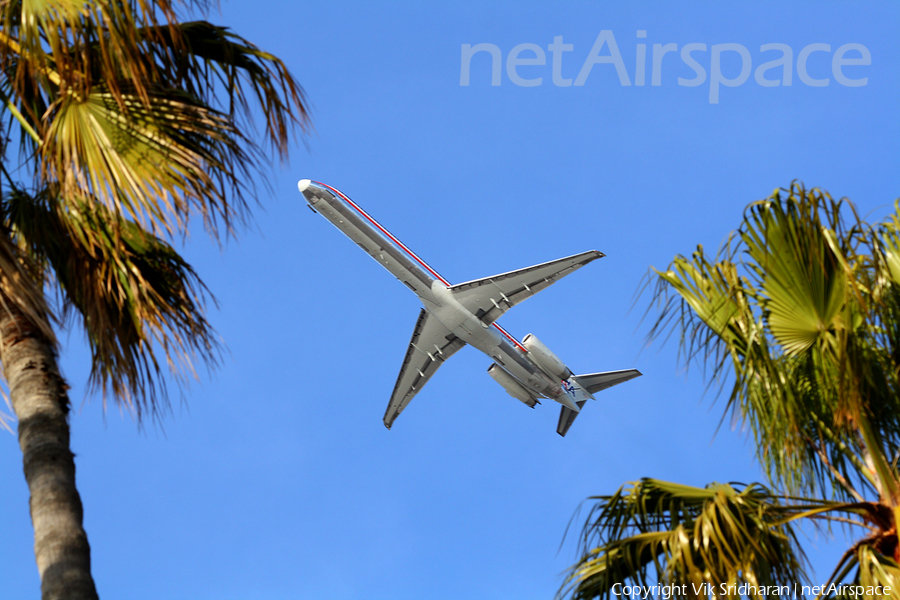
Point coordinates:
[[275, 478]]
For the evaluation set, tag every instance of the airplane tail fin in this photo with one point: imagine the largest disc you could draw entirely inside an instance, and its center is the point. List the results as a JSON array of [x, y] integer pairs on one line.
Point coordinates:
[[584, 386]]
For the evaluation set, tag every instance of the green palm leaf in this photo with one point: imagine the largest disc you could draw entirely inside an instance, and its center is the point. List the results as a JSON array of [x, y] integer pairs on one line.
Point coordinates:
[[801, 310], [154, 164], [670, 534], [875, 575], [141, 112], [877, 570], [804, 281]]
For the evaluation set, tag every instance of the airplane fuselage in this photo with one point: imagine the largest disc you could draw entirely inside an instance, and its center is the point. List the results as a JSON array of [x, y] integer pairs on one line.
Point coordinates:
[[432, 289]]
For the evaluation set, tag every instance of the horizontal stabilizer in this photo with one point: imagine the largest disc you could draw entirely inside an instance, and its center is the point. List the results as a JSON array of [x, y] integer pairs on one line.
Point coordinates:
[[592, 383], [597, 382]]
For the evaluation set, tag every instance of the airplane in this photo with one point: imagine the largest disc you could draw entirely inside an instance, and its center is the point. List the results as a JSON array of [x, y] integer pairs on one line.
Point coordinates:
[[466, 313]]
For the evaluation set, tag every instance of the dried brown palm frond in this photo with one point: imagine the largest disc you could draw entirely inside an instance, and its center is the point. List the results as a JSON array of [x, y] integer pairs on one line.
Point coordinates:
[[141, 305]]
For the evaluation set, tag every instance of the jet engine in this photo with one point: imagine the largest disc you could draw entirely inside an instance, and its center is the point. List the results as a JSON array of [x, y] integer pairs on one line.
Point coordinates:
[[512, 385], [548, 361]]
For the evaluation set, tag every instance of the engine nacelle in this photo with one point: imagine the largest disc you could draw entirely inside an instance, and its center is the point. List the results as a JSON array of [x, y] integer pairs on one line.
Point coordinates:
[[512, 385], [548, 361]]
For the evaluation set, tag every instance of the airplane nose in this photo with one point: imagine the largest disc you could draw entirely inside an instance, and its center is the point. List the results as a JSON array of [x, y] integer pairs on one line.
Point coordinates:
[[310, 191]]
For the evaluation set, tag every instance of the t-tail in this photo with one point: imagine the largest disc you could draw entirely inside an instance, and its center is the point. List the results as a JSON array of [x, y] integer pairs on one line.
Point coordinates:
[[583, 387]]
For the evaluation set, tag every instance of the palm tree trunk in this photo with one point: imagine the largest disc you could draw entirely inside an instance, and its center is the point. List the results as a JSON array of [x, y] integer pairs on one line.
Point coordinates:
[[39, 399]]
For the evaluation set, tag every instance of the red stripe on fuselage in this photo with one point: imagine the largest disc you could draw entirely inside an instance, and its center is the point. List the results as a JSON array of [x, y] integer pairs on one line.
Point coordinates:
[[411, 254], [510, 338], [387, 233]]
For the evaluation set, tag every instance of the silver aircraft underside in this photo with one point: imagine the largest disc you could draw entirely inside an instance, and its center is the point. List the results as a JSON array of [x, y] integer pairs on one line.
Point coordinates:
[[466, 313]]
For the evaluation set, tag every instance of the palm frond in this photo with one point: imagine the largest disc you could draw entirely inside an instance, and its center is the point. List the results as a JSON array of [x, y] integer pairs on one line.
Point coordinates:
[[225, 70], [877, 570], [794, 308], [21, 284], [156, 164], [20, 290], [64, 41], [121, 95], [801, 310], [874, 575], [135, 295], [660, 533], [804, 281]]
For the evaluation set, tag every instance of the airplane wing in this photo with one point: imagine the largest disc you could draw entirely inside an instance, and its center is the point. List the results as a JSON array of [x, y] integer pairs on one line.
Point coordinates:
[[490, 297], [431, 344], [593, 383]]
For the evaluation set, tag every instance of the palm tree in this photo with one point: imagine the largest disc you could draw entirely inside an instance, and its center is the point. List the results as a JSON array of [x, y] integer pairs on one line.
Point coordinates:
[[128, 123], [801, 309]]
